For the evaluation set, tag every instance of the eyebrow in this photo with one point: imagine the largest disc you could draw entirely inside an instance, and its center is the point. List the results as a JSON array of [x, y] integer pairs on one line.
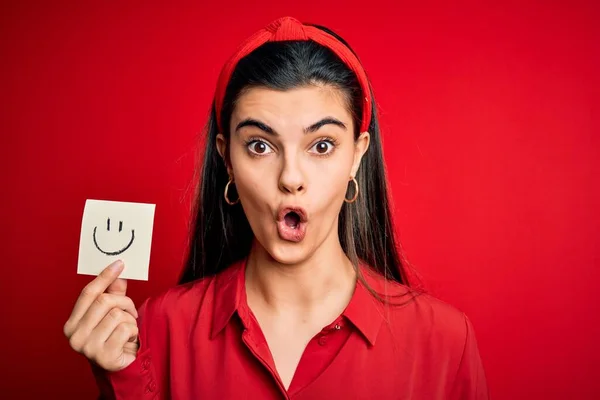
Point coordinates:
[[267, 129]]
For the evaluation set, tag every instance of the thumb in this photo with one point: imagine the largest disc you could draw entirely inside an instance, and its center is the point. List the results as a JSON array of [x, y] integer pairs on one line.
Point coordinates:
[[119, 286]]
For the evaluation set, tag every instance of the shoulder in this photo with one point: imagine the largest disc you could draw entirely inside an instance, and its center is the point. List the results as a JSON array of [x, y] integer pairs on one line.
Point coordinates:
[[437, 337], [180, 303], [425, 314]]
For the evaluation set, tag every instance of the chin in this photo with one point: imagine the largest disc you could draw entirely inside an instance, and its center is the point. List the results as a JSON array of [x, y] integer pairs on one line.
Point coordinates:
[[289, 253]]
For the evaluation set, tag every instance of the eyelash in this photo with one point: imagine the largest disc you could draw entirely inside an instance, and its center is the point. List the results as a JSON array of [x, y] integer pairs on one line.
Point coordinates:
[[252, 140]]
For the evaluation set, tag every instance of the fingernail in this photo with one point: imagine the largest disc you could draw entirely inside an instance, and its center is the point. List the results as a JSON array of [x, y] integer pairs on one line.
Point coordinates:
[[116, 265]]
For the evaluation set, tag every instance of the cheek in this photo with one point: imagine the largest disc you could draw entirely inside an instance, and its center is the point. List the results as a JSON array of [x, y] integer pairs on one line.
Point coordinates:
[[329, 184], [251, 188], [255, 182], [253, 195]]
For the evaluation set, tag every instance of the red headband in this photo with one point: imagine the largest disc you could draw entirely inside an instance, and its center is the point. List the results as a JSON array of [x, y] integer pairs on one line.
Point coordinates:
[[288, 28]]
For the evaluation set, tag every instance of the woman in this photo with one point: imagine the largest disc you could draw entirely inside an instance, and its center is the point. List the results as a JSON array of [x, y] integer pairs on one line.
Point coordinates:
[[294, 287]]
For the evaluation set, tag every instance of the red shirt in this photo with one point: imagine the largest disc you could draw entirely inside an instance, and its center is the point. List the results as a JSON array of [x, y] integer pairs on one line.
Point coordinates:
[[200, 340]]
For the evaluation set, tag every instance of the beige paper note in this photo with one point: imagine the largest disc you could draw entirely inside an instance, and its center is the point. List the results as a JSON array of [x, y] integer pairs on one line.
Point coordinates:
[[113, 230]]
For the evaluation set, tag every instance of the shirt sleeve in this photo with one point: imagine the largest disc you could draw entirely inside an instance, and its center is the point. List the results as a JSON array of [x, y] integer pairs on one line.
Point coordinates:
[[470, 382], [137, 380]]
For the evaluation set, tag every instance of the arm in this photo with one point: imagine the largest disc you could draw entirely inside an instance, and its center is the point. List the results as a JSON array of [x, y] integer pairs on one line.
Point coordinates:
[[470, 382]]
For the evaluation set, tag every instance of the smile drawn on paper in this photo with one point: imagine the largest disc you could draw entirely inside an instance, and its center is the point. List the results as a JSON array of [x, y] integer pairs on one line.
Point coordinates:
[[113, 253]]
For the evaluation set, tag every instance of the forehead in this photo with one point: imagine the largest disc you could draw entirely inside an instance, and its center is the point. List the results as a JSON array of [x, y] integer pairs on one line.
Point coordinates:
[[298, 107]]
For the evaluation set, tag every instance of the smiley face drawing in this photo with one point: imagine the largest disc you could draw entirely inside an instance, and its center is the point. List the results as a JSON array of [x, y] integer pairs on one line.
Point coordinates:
[[117, 252]]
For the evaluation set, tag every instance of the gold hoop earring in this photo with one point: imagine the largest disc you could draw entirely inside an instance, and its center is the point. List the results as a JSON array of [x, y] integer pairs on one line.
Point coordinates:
[[231, 203], [353, 199]]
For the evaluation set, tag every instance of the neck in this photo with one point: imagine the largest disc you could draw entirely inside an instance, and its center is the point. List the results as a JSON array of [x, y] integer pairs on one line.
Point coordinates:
[[325, 279]]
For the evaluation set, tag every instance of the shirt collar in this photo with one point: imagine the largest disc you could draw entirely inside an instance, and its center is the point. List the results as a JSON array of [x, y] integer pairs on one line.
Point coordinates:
[[229, 289], [364, 311]]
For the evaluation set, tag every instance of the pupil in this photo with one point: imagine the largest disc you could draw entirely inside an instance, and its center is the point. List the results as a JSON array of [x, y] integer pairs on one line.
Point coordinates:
[[260, 147], [322, 147]]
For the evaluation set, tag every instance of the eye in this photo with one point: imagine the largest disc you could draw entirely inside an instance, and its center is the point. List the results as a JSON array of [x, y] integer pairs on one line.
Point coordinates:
[[259, 147], [323, 147]]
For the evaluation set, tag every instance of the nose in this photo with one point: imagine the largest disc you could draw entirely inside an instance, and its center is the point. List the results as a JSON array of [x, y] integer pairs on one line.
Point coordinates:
[[291, 179]]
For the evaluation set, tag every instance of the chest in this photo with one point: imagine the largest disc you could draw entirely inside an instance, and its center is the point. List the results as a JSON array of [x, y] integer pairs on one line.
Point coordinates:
[[336, 363], [296, 354], [286, 350]]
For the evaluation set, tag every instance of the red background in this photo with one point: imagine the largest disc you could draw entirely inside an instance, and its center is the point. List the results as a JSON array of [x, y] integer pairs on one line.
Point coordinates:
[[489, 114]]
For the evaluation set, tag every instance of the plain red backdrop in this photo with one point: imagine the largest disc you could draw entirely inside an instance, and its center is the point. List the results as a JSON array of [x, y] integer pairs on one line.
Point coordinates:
[[489, 116]]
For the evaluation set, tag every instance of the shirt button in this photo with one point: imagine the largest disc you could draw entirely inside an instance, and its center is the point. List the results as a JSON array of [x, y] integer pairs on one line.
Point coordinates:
[[338, 327], [322, 341], [146, 364]]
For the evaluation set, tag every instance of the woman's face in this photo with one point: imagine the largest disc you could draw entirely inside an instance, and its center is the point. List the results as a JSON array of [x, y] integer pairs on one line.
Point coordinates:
[[292, 154]]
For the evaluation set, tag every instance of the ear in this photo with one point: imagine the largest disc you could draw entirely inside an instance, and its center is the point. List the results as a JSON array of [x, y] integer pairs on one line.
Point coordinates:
[[360, 148], [222, 150]]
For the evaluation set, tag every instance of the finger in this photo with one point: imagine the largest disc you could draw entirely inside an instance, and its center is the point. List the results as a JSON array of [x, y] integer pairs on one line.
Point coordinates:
[[93, 290], [117, 348], [119, 286], [105, 328], [124, 333], [103, 305]]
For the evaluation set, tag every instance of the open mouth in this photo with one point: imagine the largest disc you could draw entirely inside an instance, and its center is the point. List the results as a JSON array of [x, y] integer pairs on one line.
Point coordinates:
[[291, 224], [292, 219]]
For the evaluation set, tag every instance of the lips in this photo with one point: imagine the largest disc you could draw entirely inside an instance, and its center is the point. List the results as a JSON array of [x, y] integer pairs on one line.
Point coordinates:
[[291, 223]]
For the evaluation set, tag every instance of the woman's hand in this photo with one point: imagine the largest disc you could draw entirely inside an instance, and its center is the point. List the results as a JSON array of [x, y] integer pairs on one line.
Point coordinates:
[[103, 324]]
